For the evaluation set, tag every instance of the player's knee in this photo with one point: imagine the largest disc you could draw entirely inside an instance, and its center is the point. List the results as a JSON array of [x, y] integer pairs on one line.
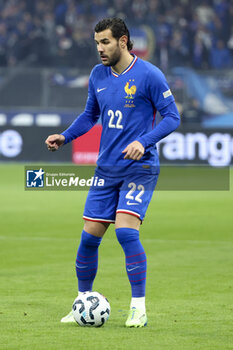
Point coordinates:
[[125, 234], [89, 240], [95, 228]]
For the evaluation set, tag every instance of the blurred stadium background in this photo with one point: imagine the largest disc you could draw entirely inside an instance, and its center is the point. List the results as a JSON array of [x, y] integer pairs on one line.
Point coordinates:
[[47, 52], [46, 55]]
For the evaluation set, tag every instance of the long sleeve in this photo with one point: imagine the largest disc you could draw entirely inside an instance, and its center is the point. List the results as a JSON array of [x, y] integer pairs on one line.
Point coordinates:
[[169, 123], [85, 121]]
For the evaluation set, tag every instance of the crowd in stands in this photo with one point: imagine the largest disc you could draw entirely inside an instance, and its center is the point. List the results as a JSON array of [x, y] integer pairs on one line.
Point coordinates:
[[196, 33]]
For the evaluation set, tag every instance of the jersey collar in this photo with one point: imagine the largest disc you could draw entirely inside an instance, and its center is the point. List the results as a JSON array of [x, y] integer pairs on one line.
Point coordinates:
[[127, 69]]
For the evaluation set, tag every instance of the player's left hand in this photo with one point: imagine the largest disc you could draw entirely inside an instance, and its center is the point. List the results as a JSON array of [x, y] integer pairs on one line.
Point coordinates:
[[134, 150]]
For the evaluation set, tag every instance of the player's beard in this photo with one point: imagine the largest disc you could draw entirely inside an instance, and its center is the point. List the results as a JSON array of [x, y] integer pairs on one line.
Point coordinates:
[[114, 58]]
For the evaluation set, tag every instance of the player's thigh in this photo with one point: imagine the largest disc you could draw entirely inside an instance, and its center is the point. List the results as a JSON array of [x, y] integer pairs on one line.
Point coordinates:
[[135, 194], [126, 220], [101, 203], [96, 228]]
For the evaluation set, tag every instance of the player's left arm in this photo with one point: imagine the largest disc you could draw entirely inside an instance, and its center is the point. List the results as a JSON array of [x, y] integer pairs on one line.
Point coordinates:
[[169, 123], [162, 99], [134, 150]]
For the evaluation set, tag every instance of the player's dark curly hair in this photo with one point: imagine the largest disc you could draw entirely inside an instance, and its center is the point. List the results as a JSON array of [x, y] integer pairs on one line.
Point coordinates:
[[118, 29]]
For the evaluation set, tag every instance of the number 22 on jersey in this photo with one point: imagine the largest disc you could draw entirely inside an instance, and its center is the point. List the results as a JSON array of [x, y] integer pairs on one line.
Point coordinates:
[[115, 119]]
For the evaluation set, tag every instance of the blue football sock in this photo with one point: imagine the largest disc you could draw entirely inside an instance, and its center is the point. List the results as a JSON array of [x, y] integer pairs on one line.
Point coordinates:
[[87, 261], [135, 259]]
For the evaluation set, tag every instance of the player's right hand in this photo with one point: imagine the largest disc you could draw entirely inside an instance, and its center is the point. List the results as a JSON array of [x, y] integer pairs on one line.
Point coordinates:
[[53, 142]]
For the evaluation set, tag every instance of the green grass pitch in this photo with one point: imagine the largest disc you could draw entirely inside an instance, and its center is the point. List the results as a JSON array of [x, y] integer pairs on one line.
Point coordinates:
[[188, 237]]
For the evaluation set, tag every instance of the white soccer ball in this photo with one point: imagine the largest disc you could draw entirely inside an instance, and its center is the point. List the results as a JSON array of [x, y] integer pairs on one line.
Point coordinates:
[[91, 309]]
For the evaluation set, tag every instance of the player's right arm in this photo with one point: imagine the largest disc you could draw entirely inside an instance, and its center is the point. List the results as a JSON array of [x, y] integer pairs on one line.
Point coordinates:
[[55, 141], [81, 125]]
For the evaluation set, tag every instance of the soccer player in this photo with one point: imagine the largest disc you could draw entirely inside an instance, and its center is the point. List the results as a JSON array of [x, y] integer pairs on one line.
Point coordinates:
[[125, 92]]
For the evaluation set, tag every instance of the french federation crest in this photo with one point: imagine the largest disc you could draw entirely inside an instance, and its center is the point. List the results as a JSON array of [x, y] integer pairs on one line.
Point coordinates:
[[130, 90]]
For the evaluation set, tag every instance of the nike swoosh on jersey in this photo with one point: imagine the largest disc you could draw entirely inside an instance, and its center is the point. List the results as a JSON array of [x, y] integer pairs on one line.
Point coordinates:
[[129, 203], [98, 90]]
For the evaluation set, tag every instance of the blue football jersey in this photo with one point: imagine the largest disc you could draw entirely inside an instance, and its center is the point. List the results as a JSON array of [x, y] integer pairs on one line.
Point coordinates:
[[127, 104]]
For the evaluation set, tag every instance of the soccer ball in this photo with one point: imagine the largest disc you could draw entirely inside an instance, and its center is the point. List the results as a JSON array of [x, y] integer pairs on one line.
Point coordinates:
[[91, 309]]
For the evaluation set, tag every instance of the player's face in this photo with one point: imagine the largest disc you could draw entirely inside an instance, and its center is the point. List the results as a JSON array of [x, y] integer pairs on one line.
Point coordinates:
[[108, 48]]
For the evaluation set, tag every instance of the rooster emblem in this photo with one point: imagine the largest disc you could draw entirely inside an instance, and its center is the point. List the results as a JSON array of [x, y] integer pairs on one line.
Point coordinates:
[[130, 90]]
